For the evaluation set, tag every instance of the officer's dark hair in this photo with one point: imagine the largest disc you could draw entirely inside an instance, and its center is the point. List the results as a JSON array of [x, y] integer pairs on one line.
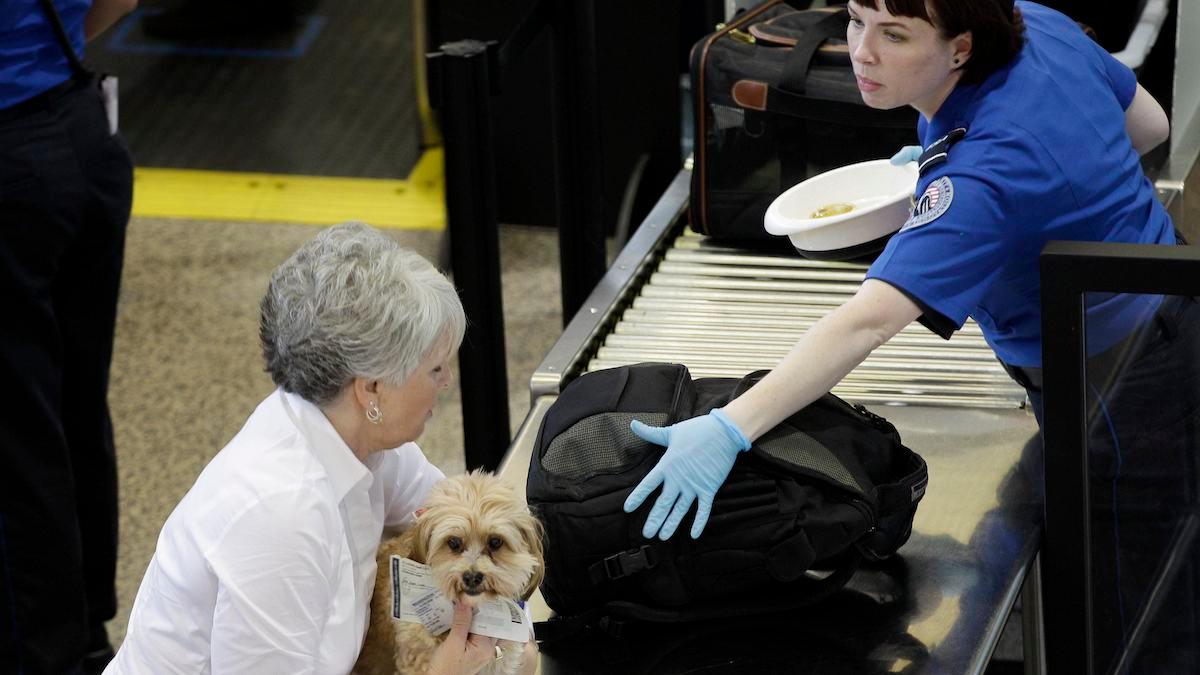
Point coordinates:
[[997, 28]]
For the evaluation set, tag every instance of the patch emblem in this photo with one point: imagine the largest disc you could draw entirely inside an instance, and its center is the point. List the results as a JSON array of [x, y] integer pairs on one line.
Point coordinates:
[[932, 204]]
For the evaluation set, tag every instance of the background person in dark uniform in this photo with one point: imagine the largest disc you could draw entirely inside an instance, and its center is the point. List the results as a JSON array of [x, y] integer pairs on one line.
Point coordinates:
[[65, 194]]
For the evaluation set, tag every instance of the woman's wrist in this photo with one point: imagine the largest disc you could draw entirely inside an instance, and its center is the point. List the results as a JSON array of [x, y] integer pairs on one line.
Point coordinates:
[[732, 429]]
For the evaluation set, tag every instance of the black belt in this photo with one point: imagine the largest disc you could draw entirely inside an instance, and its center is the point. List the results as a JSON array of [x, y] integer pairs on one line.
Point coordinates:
[[1030, 378], [42, 101]]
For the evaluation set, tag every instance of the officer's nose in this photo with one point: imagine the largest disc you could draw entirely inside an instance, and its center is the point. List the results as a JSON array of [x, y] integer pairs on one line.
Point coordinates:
[[862, 51]]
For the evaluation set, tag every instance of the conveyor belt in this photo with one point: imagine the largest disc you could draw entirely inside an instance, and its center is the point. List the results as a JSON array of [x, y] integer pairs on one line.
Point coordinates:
[[725, 313], [673, 295]]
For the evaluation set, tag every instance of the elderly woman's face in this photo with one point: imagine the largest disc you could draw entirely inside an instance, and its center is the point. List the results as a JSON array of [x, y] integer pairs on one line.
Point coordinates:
[[407, 407]]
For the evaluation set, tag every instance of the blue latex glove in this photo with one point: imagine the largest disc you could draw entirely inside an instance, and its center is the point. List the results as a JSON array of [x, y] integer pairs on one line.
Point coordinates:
[[700, 453], [909, 153]]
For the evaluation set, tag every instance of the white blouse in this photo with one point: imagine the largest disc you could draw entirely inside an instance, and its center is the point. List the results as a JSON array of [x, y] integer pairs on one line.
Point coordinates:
[[268, 563]]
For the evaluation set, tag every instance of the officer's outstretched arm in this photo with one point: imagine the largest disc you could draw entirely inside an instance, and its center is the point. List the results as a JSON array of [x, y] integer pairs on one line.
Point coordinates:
[[823, 356], [1146, 122]]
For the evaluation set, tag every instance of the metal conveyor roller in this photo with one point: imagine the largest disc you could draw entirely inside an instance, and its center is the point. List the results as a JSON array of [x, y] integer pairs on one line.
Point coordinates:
[[724, 313]]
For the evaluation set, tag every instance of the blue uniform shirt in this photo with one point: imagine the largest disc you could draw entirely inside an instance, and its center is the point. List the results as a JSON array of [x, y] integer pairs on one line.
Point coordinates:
[[1045, 157], [31, 58]]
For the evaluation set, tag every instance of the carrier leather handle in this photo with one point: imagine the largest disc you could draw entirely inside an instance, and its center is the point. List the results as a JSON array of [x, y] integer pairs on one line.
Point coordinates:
[[795, 69]]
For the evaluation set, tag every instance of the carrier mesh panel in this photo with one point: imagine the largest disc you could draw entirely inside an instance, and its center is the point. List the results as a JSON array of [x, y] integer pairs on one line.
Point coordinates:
[[597, 444], [798, 448], [727, 117]]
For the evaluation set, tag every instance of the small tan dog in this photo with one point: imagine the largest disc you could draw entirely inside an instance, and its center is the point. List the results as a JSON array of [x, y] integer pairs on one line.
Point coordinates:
[[481, 541]]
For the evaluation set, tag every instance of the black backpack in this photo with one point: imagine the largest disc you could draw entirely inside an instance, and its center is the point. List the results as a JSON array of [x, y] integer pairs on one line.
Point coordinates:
[[828, 487]]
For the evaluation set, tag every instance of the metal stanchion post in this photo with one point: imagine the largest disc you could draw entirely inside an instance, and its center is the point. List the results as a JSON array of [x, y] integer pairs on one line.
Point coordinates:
[[461, 77], [578, 154]]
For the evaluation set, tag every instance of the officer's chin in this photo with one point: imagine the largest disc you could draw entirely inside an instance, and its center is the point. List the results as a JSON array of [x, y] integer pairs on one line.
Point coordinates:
[[877, 104]]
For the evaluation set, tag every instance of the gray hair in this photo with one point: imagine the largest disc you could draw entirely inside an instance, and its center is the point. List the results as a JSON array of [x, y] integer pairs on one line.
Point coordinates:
[[350, 303]]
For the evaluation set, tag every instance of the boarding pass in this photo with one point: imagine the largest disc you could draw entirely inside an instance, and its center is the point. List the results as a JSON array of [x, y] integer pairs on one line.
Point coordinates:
[[416, 599]]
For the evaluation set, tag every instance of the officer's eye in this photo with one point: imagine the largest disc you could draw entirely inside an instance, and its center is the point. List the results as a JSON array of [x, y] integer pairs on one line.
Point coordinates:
[[495, 543], [454, 544]]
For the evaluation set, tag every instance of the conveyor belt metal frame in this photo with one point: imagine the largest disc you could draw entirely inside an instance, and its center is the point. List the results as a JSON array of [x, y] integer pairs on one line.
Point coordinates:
[[575, 347]]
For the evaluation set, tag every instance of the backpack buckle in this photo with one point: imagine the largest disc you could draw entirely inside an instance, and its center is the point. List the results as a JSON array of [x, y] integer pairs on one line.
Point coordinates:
[[624, 564]]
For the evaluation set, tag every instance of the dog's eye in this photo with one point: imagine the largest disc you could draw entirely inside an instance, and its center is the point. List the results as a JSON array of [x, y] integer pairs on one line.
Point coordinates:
[[495, 543], [454, 544]]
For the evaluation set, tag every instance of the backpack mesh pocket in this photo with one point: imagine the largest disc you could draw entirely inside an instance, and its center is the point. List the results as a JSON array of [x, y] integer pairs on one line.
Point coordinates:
[[797, 448], [599, 443]]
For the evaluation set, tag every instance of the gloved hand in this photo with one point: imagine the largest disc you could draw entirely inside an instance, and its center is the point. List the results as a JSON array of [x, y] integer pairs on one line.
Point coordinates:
[[909, 153], [700, 453]]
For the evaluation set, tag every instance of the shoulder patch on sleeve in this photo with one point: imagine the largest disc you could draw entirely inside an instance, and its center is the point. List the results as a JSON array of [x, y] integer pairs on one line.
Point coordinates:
[[932, 203]]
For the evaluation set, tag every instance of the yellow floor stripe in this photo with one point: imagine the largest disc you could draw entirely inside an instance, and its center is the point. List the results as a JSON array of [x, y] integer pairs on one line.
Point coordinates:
[[415, 204]]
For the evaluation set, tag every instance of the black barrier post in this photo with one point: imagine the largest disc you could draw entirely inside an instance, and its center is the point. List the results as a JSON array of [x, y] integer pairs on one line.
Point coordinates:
[[461, 85], [578, 169]]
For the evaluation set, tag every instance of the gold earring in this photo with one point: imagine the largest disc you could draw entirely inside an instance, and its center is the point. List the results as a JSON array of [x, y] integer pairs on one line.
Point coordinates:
[[374, 414]]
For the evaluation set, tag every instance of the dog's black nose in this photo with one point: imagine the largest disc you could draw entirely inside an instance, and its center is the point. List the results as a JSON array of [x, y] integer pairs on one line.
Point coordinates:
[[472, 579]]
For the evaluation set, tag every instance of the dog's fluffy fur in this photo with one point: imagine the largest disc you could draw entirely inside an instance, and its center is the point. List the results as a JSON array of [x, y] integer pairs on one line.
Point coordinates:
[[472, 524]]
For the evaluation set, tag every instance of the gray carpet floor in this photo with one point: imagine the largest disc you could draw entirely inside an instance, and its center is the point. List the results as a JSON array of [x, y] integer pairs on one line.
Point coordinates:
[[187, 372]]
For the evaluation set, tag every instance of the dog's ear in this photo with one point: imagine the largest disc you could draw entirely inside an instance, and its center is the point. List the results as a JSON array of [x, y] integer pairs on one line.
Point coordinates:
[[420, 537], [532, 532]]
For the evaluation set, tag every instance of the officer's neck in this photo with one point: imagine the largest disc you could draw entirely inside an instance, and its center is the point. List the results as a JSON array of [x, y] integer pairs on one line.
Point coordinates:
[[929, 105]]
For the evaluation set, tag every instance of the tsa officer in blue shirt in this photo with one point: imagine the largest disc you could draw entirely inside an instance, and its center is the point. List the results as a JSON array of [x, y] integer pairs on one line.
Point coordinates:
[[1030, 132], [66, 183]]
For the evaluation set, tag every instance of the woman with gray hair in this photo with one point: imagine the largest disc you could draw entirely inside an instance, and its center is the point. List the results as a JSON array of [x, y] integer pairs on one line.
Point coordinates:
[[268, 563]]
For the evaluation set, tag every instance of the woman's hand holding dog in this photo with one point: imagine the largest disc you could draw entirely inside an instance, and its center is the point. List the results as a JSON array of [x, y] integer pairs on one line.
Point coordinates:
[[462, 653], [529, 658]]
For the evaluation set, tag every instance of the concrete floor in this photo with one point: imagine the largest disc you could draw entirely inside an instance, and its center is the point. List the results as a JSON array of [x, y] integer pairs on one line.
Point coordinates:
[[187, 371]]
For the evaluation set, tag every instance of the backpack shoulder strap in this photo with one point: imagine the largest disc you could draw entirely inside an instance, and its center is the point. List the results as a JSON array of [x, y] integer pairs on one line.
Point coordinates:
[[804, 592], [559, 627]]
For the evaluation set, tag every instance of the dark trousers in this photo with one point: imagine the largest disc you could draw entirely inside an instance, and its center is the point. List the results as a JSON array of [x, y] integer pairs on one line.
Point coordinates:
[[1143, 453], [1144, 443], [65, 195]]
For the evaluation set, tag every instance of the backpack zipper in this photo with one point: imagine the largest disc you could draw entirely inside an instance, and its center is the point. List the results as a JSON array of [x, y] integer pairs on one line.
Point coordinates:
[[865, 509], [877, 421], [681, 377]]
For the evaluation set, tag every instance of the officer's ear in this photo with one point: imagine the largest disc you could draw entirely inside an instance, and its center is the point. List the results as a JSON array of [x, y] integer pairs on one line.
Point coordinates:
[[962, 45]]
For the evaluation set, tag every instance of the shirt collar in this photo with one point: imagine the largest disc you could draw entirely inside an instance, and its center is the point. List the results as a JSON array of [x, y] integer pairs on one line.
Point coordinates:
[[952, 114], [345, 471]]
